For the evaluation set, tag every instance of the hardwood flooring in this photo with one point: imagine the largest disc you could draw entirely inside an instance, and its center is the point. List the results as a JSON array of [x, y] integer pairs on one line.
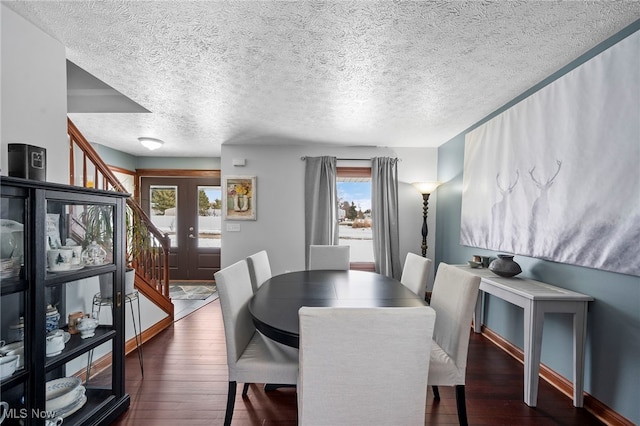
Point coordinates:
[[185, 383]]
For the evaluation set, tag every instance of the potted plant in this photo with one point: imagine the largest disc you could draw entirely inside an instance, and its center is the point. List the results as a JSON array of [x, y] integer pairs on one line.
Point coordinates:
[[97, 223]]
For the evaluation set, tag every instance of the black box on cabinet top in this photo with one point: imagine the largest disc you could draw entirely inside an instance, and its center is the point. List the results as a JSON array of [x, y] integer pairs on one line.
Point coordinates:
[[27, 161]]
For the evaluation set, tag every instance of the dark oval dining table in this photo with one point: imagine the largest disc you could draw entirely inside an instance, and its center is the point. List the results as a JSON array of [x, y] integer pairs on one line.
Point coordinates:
[[274, 307]]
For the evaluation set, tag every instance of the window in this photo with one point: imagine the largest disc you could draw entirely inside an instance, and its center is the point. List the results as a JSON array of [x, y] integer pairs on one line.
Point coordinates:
[[354, 213], [163, 210], [209, 216]]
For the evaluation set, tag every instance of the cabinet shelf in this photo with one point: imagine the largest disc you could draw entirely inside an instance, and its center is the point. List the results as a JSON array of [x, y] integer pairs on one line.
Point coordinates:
[[63, 277], [12, 285], [18, 377], [78, 346]]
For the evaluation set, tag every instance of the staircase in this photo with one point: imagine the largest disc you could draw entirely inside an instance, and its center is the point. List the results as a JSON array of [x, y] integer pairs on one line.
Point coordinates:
[[147, 247]]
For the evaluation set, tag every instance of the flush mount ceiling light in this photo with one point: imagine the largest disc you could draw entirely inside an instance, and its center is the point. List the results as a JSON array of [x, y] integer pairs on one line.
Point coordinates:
[[151, 143]]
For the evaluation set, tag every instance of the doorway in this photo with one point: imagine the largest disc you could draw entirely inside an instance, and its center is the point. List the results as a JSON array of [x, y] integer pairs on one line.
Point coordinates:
[[189, 211]]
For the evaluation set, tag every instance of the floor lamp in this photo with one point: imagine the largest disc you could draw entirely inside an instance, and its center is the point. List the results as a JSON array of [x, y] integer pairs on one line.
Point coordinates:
[[425, 188]]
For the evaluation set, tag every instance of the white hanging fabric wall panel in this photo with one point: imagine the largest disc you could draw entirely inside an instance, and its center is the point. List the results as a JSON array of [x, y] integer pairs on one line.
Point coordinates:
[[557, 176]]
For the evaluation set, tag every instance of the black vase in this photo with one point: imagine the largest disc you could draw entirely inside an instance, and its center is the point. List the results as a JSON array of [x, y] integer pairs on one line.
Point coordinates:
[[505, 266]]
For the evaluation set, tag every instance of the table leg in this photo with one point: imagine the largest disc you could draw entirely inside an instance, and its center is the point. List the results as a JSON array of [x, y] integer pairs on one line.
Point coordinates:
[[478, 315], [533, 325], [579, 332]]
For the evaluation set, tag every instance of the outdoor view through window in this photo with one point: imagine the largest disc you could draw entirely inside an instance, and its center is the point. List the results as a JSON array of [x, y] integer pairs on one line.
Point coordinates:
[[164, 214], [354, 213]]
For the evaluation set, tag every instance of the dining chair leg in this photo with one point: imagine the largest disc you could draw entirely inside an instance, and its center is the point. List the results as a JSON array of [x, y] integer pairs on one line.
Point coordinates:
[[231, 400], [245, 389], [436, 393], [461, 405]]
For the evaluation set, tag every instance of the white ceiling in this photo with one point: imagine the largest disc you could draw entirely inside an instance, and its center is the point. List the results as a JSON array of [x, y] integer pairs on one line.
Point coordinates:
[[395, 74]]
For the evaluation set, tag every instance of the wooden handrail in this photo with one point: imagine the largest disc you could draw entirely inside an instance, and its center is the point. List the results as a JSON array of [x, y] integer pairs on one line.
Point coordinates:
[[148, 244]]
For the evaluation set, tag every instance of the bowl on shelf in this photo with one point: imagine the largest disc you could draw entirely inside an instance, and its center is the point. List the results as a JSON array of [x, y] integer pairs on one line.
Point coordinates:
[[474, 264], [61, 393], [8, 365], [86, 326], [55, 342], [15, 348], [4, 350]]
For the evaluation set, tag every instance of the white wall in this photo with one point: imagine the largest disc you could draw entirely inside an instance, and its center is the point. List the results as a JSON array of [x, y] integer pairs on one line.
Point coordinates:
[[34, 111], [34, 93], [279, 227]]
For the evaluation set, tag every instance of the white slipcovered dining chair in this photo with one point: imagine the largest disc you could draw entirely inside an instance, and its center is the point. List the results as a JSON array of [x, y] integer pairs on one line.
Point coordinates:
[[259, 269], [415, 274], [328, 257], [251, 357], [360, 366], [454, 298]]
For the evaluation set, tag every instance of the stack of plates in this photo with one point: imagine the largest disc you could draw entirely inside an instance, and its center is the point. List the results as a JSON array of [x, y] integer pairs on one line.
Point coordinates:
[[65, 396]]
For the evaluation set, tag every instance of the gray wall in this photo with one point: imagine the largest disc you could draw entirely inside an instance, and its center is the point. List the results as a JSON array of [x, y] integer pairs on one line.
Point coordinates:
[[612, 369], [279, 227], [130, 162]]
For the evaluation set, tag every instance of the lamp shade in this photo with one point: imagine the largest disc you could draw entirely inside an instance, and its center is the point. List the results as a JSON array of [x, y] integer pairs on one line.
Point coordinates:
[[151, 143], [426, 187]]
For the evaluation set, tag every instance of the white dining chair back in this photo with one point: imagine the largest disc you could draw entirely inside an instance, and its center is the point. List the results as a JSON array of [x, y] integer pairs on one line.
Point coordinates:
[[454, 298], [251, 357], [259, 269], [328, 257], [358, 366], [415, 274]]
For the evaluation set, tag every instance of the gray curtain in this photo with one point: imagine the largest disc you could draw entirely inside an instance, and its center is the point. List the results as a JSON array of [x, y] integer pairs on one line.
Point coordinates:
[[384, 211], [321, 203]]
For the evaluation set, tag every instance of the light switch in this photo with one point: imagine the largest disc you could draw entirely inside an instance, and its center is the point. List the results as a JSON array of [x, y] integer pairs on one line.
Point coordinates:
[[233, 227]]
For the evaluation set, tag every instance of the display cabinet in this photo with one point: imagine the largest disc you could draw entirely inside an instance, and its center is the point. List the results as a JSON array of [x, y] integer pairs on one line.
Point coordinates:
[[57, 244]]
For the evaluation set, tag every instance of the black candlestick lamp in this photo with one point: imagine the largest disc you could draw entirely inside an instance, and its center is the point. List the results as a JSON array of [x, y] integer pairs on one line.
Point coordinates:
[[425, 188]]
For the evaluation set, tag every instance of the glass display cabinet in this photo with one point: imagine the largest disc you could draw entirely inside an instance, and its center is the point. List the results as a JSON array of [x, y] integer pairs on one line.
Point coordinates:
[[58, 244]]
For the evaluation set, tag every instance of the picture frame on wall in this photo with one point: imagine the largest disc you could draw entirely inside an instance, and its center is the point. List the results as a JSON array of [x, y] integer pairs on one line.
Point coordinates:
[[239, 199]]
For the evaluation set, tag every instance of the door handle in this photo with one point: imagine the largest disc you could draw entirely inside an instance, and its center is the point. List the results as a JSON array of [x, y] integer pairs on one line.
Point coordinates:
[[192, 236]]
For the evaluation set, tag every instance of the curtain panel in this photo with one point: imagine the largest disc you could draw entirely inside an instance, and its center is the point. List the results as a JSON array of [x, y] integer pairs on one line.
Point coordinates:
[[384, 211], [321, 203]]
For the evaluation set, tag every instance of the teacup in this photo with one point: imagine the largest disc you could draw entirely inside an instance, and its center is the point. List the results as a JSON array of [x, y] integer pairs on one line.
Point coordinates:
[[4, 407], [54, 422], [8, 365], [59, 259], [16, 348], [55, 342], [76, 254]]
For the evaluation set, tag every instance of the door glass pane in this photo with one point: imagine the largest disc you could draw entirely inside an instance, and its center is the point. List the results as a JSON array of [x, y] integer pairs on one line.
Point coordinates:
[[164, 210], [209, 216], [354, 212]]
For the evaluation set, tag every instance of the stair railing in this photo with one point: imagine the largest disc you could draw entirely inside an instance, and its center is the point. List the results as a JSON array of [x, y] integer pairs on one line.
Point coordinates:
[[147, 246]]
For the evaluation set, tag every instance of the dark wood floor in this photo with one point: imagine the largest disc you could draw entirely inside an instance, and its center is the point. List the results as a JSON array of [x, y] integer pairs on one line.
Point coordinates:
[[185, 383]]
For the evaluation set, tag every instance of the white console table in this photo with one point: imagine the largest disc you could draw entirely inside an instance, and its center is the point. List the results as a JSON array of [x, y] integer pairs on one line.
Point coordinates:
[[537, 298]]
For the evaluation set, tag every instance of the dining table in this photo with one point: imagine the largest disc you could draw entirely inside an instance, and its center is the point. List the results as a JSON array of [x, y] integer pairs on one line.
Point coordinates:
[[274, 306]]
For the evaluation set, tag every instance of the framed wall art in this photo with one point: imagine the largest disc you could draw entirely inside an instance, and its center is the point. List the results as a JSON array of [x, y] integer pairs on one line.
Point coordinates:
[[239, 201]]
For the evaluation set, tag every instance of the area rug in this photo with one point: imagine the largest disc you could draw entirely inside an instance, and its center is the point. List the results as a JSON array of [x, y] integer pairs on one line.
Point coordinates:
[[191, 292]]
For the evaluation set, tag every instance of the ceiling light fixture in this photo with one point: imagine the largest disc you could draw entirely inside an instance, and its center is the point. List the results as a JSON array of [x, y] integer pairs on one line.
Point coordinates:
[[151, 143]]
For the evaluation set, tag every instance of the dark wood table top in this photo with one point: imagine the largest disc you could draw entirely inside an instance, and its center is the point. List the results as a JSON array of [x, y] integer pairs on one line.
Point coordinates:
[[274, 307]]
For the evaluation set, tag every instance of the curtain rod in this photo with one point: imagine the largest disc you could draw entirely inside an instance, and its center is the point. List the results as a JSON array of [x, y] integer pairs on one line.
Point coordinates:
[[304, 157]]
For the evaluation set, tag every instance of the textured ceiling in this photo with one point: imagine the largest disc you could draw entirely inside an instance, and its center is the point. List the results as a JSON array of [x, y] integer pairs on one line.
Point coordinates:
[[350, 73]]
